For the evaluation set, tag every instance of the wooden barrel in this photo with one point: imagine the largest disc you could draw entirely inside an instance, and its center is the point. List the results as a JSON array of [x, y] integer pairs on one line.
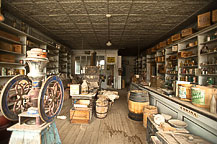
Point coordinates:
[[101, 109], [136, 103], [148, 110]]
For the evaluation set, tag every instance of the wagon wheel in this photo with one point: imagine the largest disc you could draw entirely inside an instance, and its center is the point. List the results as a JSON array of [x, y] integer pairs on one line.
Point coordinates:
[[12, 100], [50, 99]]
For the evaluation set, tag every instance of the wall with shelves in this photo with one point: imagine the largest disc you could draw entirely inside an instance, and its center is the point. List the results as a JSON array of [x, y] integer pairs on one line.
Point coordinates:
[[13, 47], [192, 58]]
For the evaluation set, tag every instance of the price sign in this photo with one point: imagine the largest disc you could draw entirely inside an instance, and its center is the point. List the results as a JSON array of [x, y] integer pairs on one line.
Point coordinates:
[[110, 59]]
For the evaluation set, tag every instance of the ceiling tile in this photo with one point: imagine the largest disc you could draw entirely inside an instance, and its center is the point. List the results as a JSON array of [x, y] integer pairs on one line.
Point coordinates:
[[96, 7], [74, 8], [119, 8]]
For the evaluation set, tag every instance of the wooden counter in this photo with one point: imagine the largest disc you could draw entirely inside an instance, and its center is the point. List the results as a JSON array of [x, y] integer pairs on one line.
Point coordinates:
[[200, 121]]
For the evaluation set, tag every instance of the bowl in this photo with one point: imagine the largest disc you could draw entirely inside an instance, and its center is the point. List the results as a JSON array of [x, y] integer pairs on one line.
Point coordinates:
[[178, 123]]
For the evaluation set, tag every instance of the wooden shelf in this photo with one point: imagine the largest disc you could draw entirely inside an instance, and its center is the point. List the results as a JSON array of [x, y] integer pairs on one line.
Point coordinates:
[[194, 66], [187, 74], [1, 50], [171, 74], [188, 57], [8, 63], [210, 75], [213, 40], [208, 65], [187, 48], [208, 53], [7, 76], [9, 40], [172, 53]]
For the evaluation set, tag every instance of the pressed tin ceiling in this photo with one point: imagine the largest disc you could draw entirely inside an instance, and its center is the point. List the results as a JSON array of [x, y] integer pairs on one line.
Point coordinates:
[[82, 24]]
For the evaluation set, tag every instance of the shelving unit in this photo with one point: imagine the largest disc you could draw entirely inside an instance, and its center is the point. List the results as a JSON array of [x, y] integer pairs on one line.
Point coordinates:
[[184, 68], [26, 41]]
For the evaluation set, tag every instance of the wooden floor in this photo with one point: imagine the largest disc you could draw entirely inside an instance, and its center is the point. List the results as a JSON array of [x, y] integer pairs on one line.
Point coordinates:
[[116, 128]]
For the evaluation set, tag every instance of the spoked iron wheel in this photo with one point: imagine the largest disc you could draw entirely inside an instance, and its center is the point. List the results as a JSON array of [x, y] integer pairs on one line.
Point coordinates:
[[12, 101], [50, 98]]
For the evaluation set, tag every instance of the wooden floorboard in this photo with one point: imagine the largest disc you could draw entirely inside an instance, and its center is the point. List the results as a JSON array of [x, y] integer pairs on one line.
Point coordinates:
[[116, 128]]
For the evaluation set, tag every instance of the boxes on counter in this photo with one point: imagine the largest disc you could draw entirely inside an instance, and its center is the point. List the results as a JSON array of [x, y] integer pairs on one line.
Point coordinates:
[[7, 58], [204, 20]]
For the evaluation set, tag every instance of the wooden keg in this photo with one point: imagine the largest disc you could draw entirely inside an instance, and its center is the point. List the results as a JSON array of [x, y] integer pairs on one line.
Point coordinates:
[[101, 108], [148, 110], [137, 100]]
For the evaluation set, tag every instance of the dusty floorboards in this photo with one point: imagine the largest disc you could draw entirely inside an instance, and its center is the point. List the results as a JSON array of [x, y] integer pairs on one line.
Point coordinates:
[[116, 128]]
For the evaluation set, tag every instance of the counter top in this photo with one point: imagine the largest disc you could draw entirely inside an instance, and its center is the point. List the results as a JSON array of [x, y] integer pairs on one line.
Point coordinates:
[[183, 103]]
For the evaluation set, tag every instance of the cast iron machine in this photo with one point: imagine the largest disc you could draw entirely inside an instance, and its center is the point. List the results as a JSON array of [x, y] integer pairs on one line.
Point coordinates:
[[32, 94]]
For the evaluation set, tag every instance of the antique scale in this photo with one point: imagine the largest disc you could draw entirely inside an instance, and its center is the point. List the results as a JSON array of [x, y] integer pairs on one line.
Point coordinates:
[[33, 101]]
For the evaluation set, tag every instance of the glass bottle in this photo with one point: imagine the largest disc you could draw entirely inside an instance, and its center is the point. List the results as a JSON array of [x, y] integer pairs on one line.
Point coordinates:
[[213, 105]]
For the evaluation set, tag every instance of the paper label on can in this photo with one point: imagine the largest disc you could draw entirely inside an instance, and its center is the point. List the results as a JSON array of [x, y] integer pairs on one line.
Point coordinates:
[[182, 92], [198, 96]]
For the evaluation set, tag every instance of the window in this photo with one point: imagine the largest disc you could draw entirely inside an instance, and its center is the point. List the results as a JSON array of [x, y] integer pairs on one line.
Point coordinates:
[[81, 61]]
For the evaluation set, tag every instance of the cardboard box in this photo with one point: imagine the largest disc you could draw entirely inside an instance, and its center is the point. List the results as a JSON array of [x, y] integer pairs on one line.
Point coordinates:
[[17, 48], [80, 115], [163, 44], [204, 20], [176, 37], [75, 89], [9, 36], [187, 32], [7, 58], [175, 48], [214, 16], [169, 41], [6, 46]]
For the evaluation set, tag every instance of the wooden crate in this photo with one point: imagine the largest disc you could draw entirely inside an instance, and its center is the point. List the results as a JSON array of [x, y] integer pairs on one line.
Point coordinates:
[[80, 115], [187, 32], [169, 41], [7, 58], [176, 37], [6, 46], [204, 20], [9, 36], [163, 44], [17, 48], [214, 16]]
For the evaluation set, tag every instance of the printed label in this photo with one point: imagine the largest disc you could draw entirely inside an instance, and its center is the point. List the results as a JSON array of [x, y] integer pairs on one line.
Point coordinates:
[[198, 96]]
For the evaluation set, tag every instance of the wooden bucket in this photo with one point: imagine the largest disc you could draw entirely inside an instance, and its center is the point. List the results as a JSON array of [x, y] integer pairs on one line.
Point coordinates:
[[101, 109], [136, 103], [148, 110]]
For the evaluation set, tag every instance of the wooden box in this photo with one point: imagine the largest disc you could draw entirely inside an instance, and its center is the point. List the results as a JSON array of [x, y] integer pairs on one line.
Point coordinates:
[[80, 115], [184, 54], [169, 41], [175, 48], [214, 16], [6, 46], [9, 36], [187, 32], [163, 44], [176, 37], [17, 48], [7, 58], [75, 89], [203, 20]]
